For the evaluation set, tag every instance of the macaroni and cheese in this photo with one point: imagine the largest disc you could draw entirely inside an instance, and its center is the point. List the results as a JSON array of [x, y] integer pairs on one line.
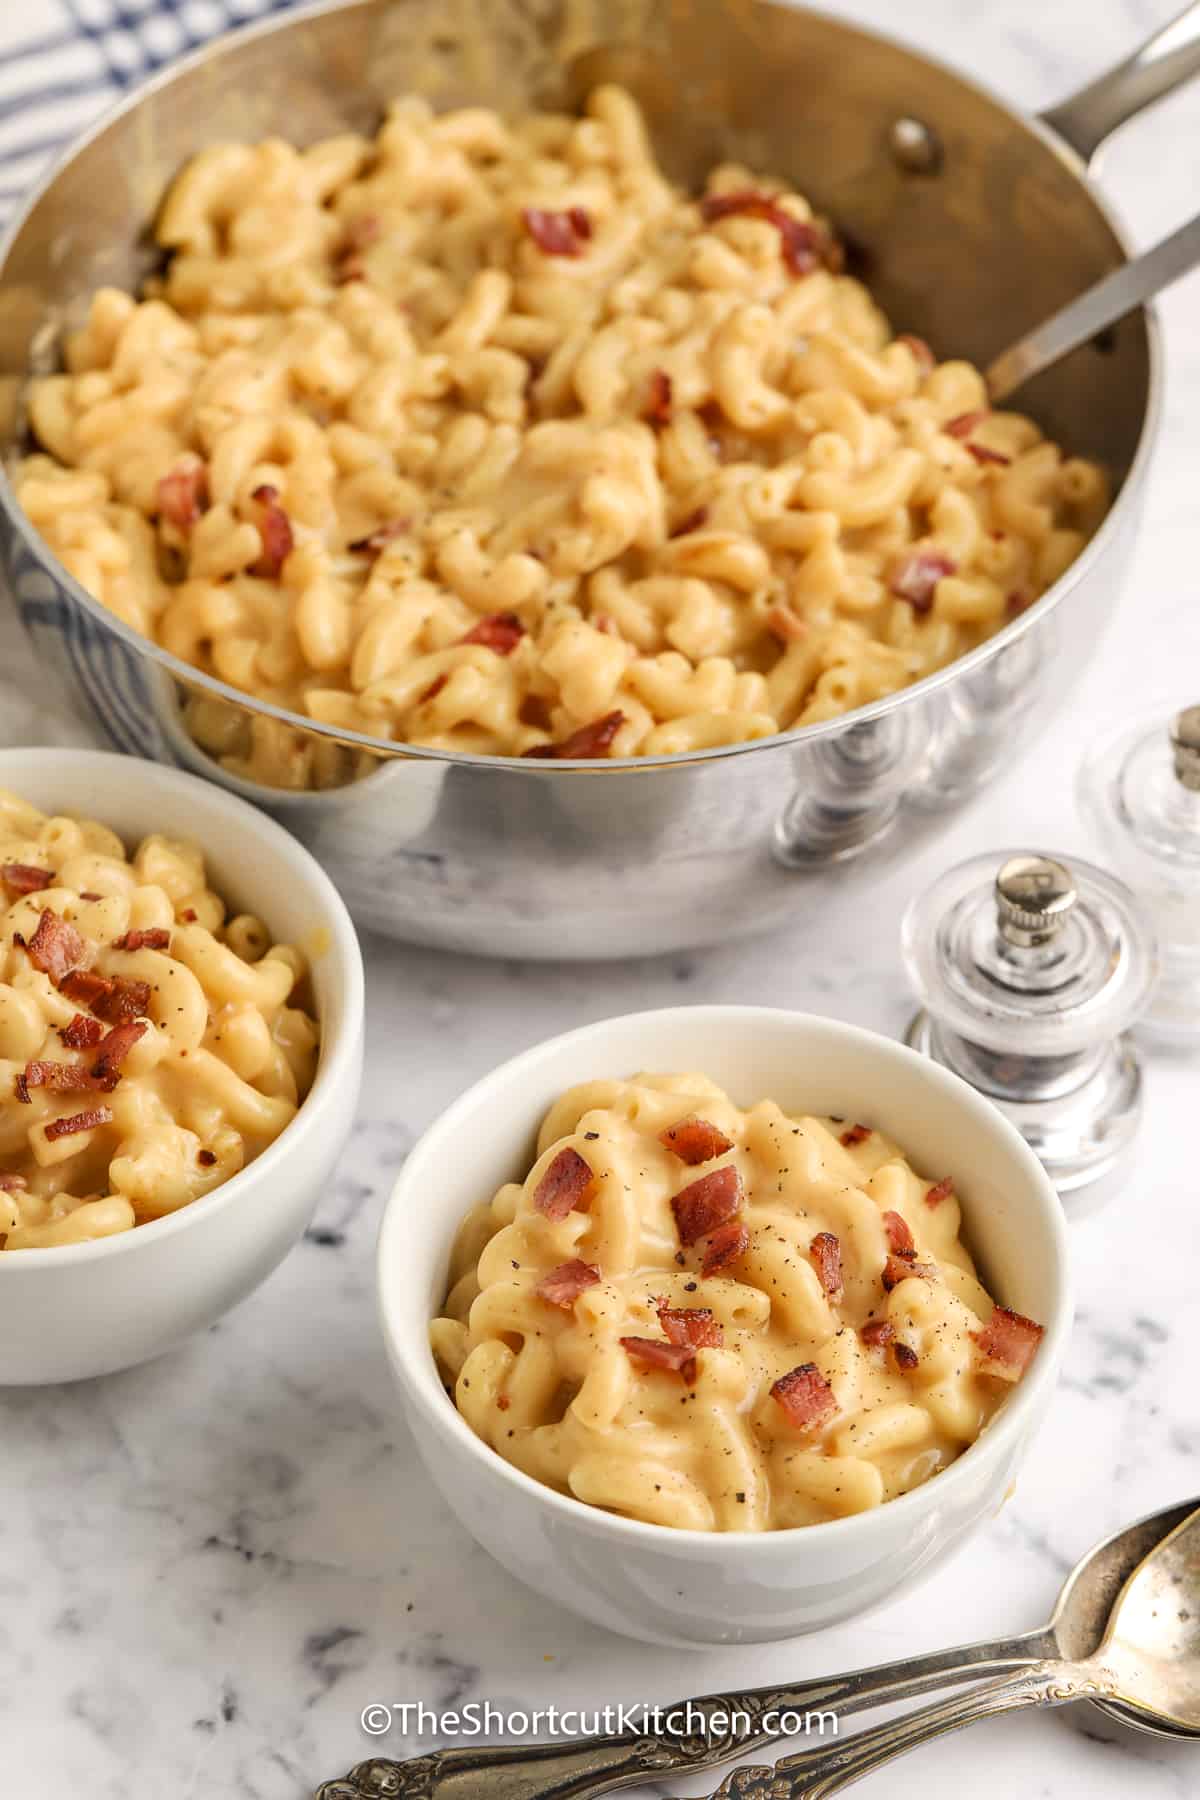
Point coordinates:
[[150, 1046], [485, 436], [722, 1320]]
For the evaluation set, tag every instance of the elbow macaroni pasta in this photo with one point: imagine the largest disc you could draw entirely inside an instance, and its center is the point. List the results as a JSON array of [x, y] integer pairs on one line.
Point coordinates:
[[218, 1047], [549, 1386], [689, 461]]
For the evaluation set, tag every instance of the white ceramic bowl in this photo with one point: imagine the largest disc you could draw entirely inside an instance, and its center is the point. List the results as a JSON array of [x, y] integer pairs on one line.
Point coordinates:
[[86, 1309], [686, 1587]]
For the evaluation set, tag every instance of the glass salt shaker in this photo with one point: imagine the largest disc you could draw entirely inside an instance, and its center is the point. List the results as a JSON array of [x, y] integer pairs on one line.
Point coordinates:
[[1139, 790], [1030, 972]]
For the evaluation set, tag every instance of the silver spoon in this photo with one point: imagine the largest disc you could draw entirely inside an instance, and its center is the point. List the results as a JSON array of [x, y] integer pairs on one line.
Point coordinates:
[[1148, 1660], [1099, 306], [584, 1767]]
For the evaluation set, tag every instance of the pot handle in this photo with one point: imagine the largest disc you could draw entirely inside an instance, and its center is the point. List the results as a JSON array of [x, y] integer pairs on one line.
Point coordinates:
[[1164, 63]]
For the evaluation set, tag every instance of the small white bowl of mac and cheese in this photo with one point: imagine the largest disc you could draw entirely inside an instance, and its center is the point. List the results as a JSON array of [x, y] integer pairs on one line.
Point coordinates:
[[723, 1356], [181, 1021]]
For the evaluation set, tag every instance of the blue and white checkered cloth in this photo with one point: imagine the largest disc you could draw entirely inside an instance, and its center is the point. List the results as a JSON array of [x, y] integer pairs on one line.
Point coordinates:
[[63, 61]]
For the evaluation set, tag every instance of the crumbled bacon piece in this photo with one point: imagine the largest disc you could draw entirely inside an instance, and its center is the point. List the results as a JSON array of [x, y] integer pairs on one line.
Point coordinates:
[[786, 625], [941, 1190], [983, 454], [899, 1236], [379, 539], [1010, 1340], [854, 1134], [182, 494], [558, 233], [915, 577], [803, 245], [434, 688], [55, 947], [826, 1253], [724, 1245], [707, 1203], [898, 1268], [805, 1396], [106, 1070], [963, 424], [657, 410], [82, 1121], [695, 1140], [690, 1325], [501, 632], [275, 530], [565, 1187], [59, 1078], [905, 1356], [153, 937], [563, 1286], [23, 878], [81, 1033], [590, 740], [877, 1332], [534, 710], [922, 354], [694, 521], [112, 998], [206, 1158], [503, 1402], [655, 1353]]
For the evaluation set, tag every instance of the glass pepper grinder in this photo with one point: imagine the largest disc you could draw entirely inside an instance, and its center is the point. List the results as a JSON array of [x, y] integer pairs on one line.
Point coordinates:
[[1029, 973], [1139, 790]]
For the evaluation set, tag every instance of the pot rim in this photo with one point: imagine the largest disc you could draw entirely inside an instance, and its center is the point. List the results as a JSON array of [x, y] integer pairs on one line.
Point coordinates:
[[392, 750]]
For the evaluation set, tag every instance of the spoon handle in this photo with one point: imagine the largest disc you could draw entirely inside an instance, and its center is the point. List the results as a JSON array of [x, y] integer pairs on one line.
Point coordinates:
[[683, 1739], [816, 1774], [1101, 305]]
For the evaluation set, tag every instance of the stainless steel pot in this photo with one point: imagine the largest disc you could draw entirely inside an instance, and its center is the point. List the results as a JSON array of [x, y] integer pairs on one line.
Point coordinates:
[[976, 223]]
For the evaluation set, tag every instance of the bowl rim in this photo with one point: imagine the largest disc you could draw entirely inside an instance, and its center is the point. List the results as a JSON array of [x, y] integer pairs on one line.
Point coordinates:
[[338, 1054], [421, 1387], [548, 768]]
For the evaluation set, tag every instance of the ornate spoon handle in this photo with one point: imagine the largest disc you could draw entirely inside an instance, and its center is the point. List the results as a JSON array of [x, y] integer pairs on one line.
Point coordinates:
[[817, 1774], [695, 1735]]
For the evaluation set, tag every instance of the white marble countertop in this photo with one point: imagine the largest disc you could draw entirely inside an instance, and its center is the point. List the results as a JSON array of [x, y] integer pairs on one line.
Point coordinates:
[[210, 1565]]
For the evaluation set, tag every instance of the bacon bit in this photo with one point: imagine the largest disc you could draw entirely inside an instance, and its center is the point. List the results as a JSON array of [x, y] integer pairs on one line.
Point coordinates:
[[206, 1158], [21, 1089], [183, 494], [1009, 1338], [534, 710], [12, 1184], [854, 1134], [113, 1050], [558, 233], [694, 521], [55, 947], [85, 987], [690, 1325], [899, 1237], [85, 895], [83, 1121], [378, 540], [725, 1245], [941, 1190], [707, 1203], [434, 689], [915, 577], [111, 997], [906, 1357], [963, 424], [803, 245], [275, 530], [787, 626], [898, 1268], [922, 355], [503, 1402], [565, 1187], [23, 878], [826, 1253], [655, 1354], [154, 937], [189, 915], [657, 410], [877, 1332], [563, 1286], [60, 1078], [501, 632], [590, 740], [805, 1396], [982, 454], [695, 1141]]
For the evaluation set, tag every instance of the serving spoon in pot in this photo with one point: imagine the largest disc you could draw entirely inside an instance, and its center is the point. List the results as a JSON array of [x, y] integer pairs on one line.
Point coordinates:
[[1092, 311], [580, 1768], [1148, 1661]]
